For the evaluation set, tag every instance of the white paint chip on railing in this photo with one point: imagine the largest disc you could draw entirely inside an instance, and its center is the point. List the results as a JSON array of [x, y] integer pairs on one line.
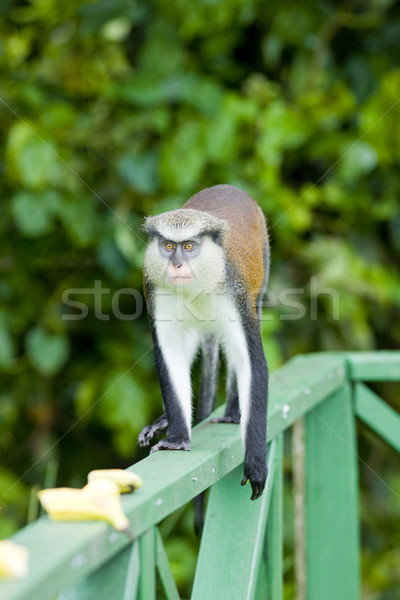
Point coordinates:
[[78, 561]]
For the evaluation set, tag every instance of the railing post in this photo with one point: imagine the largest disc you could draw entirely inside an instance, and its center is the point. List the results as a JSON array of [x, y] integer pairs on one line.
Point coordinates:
[[274, 533], [331, 505], [233, 540], [270, 574], [298, 459], [147, 551]]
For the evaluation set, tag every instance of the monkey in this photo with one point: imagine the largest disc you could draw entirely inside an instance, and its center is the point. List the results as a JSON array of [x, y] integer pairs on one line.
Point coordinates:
[[206, 268]]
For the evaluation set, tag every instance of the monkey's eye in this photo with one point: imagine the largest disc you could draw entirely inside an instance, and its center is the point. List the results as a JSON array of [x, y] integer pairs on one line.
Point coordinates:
[[169, 246], [189, 246]]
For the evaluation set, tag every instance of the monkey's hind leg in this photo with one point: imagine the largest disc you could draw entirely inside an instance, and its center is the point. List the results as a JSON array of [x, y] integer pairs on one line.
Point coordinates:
[[206, 403], [232, 411], [153, 430], [209, 376]]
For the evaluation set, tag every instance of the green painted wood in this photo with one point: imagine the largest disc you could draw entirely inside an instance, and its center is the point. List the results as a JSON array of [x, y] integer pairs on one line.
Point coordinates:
[[164, 571], [270, 575], [63, 553], [381, 365], [374, 366], [274, 537], [376, 414], [298, 474], [233, 539], [148, 557], [132, 579], [118, 578], [332, 518]]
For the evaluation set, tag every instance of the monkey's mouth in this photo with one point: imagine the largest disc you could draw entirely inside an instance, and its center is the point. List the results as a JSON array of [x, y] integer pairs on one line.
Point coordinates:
[[180, 279]]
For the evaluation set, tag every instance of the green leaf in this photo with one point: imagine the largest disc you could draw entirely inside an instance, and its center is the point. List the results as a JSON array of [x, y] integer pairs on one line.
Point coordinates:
[[183, 158], [131, 246], [31, 159], [47, 352], [31, 214], [7, 348], [78, 215], [139, 171], [111, 260], [86, 394], [359, 158], [123, 408]]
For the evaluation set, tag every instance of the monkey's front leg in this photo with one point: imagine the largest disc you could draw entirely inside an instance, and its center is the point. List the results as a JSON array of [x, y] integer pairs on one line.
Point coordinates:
[[150, 431], [173, 370]]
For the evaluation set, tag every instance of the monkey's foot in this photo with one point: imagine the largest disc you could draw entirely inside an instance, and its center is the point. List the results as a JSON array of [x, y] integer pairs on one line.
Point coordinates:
[[226, 419], [257, 476], [147, 433], [167, 444]]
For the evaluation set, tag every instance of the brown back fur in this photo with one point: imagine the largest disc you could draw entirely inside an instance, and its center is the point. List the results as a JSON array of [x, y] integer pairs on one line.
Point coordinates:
[[247, 238]]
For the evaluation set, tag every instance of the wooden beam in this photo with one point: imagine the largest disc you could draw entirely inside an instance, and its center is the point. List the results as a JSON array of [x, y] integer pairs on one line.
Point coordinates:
[[233, 539], [62, 553], [374, 366], [376, 414], [331, 506]]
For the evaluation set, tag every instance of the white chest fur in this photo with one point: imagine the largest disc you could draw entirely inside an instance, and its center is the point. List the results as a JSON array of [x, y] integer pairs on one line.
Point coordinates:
[[204, 312], [181, 320]]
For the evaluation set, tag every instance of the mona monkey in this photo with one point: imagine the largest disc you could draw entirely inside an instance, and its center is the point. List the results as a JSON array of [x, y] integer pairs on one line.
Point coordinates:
[[205, 272]]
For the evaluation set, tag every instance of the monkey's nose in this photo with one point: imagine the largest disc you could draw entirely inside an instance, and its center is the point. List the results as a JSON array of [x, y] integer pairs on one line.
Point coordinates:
[[178, 266]]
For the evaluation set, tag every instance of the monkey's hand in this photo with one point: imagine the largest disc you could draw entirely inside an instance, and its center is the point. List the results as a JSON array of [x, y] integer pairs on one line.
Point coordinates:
[[256, 473], [170, 444], [147, 433]]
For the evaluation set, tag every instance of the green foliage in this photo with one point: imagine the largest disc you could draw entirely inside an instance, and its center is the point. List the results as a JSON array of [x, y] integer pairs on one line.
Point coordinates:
[[111, 110], [47, 352]]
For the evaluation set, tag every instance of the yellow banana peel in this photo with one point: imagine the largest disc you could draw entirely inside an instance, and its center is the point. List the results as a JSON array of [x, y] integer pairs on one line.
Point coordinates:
[[127, 481], [99, 499], [13, 560]]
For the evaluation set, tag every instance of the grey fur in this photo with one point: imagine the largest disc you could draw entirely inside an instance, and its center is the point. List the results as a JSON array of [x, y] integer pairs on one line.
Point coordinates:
[[209, 376], [185, 218]]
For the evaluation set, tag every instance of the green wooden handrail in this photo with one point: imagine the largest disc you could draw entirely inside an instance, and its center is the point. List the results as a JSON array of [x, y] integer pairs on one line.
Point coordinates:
[[82, 560]]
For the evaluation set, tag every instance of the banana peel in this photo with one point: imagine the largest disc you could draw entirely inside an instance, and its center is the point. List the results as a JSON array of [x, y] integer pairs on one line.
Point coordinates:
[[13, 560], [99, 499], [127, 481]]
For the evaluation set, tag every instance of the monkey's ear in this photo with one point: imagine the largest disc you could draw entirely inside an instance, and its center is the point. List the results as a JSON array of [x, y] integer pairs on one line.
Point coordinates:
[[150, 227]]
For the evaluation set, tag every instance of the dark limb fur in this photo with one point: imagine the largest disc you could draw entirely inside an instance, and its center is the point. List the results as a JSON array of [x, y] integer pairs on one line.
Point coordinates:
[[153, 430], [206, 403], [209, 377], [207, 394], [178, 435], [255, 459], [232, 412]]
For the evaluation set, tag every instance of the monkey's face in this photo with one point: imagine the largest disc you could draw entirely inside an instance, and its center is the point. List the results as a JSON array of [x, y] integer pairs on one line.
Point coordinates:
[[179, 255], [196, 263]]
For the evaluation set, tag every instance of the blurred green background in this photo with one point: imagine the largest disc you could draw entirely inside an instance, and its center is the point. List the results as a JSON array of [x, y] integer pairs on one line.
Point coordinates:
[[114, 109]]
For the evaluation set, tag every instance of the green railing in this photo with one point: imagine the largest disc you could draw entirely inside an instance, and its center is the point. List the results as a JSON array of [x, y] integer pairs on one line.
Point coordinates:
[[240, 554]]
